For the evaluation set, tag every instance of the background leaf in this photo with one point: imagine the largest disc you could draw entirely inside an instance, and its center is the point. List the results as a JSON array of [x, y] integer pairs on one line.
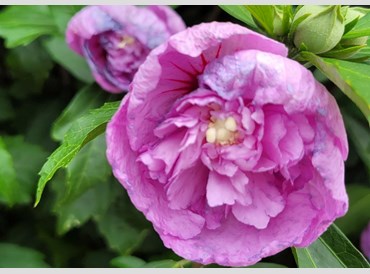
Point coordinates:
[[360, 136], [12, 255], [27, 160], [62, 15], [10, 189], [127, 262], [87, 98], [71, 61], [20, 25], [358, 214], [118, 227], [332, 249]]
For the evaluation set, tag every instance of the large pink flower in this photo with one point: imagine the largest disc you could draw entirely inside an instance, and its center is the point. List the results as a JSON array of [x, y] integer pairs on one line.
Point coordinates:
[[233, 151], [115, 40]]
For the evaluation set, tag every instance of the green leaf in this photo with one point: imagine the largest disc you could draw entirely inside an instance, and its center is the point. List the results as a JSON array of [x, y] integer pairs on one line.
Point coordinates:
[[358, 214], [127, 262], [241, 13], [30, 67], [10, 189], [6, 107], [76, 212], [27, 160], [87, 169], [62, 15], [87, 98], [20, 25], [81, 132], [267, 265], [85, 191], [12, 256], [343, 53], [161, 264], [360, 136], [332, 249], [119, 230], [264, 15], [362, 28], [352, 78], [58, 49]]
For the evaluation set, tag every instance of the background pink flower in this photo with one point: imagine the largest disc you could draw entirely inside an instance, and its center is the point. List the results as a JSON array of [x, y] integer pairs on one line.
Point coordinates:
[[365, 241], [233, 151], [115, 40]]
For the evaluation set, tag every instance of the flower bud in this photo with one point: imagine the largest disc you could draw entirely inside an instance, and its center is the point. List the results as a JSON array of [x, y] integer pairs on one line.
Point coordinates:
[[321, 30]]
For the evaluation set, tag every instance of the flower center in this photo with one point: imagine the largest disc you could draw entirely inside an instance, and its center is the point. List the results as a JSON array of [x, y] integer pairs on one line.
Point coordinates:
[[222, 131], [126, 41]]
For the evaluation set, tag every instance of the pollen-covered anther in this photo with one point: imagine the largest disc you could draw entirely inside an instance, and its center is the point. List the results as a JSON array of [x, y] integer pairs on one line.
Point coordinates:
[[222, 131], [126, 41]]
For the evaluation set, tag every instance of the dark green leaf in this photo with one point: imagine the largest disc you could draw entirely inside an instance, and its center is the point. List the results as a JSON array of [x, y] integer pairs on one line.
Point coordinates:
[[360, 136], [62, 15], [6, 107], [87, 169], [264, 15], [358, 214], [87, 98], [241, 13], [332, 249], [12, 255], [27, 160], [74, 213], [30, 67], [362, 28], [120, 233], [161, 264], [71, 61], [267, 265], [10, 189], [352, 78], [127, 262], [20, 25], [81, 132]]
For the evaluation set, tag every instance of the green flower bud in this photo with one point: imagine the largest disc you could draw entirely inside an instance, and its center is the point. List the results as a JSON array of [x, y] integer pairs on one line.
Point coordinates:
[[321, 30]]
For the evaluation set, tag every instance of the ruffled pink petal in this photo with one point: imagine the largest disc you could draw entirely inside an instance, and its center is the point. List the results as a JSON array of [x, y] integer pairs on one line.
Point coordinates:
[[266, 202], [187, 187], [220, 191], [142, 190]]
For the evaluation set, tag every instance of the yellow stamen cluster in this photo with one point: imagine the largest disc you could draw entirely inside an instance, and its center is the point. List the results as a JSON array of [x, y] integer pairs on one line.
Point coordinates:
[[126, 41], [222, 131]]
